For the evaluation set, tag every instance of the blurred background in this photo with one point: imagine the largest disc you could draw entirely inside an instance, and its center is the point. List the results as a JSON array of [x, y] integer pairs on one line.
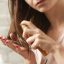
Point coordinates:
[[7, 56]]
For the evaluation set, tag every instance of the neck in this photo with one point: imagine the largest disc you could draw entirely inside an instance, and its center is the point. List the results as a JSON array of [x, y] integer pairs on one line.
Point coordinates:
[[56, 14]]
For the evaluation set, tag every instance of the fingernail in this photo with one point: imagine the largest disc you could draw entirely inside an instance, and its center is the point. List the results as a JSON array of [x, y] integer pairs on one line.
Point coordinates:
[[16, 46], [30, 43], [6, 42], [13, 36], [3, 38], [26, 36]]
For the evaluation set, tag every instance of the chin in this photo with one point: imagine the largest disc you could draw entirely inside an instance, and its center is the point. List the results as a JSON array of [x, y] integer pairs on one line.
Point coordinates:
[[43, 10], [46, 8]]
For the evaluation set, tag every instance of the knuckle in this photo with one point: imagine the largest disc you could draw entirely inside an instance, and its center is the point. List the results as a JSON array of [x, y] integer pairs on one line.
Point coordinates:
[[26, 34], [26, 31], [24, 22], [37, 30], [37, 40], [38, 36]]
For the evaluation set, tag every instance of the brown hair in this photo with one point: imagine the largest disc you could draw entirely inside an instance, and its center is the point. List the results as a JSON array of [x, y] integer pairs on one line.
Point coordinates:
[[20, 10]]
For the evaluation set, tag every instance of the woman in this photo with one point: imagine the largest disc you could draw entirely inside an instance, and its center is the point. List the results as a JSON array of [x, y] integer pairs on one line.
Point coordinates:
[[41, 24]]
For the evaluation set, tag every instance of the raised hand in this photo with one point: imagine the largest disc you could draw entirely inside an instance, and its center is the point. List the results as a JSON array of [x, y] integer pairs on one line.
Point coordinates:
[[36, 38]]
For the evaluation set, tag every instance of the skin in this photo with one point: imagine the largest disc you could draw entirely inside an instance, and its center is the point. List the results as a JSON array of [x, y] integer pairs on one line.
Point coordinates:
[[54, 10], [44, 6], [55, 13]]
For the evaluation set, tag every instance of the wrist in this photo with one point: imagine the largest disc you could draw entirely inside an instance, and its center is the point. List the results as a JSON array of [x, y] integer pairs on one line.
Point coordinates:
[[31, 59]]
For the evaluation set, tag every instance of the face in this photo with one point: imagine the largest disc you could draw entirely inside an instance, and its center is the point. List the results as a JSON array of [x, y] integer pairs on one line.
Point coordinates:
[[41, 5]]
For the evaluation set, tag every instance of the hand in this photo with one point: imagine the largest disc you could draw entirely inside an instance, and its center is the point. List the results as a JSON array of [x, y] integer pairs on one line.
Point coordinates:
[[37, 38], [28, 55]]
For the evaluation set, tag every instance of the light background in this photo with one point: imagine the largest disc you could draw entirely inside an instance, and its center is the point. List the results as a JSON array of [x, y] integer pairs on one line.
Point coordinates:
[[7, 56]]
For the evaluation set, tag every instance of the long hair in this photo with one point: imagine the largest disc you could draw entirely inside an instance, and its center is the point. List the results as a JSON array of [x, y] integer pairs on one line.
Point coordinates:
[[20, 10]]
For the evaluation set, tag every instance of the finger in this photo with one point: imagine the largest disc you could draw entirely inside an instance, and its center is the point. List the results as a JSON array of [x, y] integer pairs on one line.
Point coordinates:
[[21, 50], [37, 41], [35, 44], [26, 28], [13, 46], [31, 39], [40, 47], [9, 43], [13, 36], [27, 33], [25, 24], [28, 24], [41, 43]]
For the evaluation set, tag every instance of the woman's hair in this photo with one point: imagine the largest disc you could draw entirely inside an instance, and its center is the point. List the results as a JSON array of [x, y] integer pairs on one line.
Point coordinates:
[[20, 10]]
